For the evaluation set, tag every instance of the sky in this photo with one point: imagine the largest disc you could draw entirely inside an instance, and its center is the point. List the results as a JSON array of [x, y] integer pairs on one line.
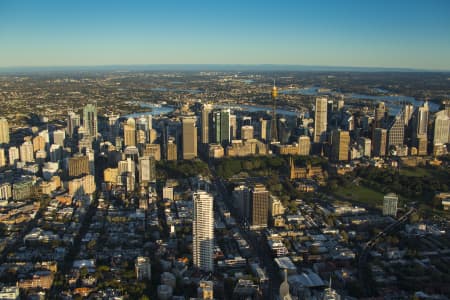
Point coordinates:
[[352, 33]]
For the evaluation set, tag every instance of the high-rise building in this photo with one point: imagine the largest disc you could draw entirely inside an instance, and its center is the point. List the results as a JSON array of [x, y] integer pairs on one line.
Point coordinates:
[[304, 145], [168, 194], [4, 131], [2, 157], [263, 129], [147, 170], [340, 143], [259, 207], [379, 142], [233, 127], [206, 122], [26, 152], [78, 165], [441, 128], [246, 132], [129, 132], [90, 123], [420, 128], [153, 150], [320, 120], [38, 143], [58, 137], [396, 132], [409, 110], [366, 146], [143, 268], [380, 114], [171, 149], [221, 126], [203, 231], [13, 155], [73, 122], [390, 205], [189, 136]]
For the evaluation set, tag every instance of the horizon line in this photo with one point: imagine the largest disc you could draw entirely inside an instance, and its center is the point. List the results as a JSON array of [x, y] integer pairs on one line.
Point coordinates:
[[213, 66]]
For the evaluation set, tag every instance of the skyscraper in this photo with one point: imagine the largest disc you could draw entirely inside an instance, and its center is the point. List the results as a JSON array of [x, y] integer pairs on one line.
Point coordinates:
[[221, 126], [13, 155], [259, 207], [4, 131], [147, 170], [247, 132], [379, 142], [203, 231], [189, 137], [340, 142], [304, 145], [129, 132], [2, 157], [205, 122], [390, 205], [26, 152], [441, 128], [420, 128], [58, 137], [396, 132], [274, 121], [73, 122], [171, 149], [320, 120], [380, 113], [90, 123]]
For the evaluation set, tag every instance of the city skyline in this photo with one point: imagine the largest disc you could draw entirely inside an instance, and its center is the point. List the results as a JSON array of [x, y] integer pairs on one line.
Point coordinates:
[[348, 34]]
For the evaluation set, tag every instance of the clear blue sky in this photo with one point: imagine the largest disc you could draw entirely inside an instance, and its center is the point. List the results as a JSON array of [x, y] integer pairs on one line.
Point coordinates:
[[379, 33]]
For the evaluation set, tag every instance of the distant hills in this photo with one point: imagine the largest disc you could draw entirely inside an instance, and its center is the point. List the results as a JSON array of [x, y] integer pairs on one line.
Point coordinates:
[[209, 68]]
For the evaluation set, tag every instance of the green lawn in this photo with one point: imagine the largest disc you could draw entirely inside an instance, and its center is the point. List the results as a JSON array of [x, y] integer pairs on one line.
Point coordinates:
[[360, 194]]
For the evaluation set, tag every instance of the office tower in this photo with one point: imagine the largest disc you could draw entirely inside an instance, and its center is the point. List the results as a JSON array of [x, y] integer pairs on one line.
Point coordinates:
[[90, 122], [55, 153], [73, 122], [58, 137], [379, 142], [153, 150], [420, 128], [366, 145], [4, 131], [129, 132], [2, 157], [340, 142], [320, 120], [46, 136], [246, 132], [168, 193], [263, 129], [142, 124], [203, 231], [38, 143], [390, 205], [409, 110], [241, 201], [126, 166], [205, 122], [441, 128], [380, 113], [78, 165], [147, 170], [221, 126], [13, 155], [91, 159], [396, 132], [189, 137], [171, 149], [153, 136], [141, 137], [304, 145], [233, 127], [26, 152], [273, 121], [259, 207]]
